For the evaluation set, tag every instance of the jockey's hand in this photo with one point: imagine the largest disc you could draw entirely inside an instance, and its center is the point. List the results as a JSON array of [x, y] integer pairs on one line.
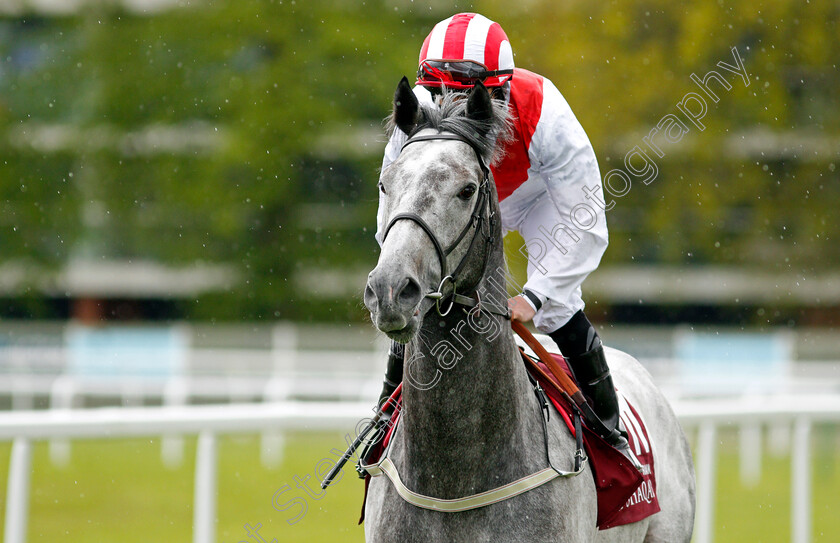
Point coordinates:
[[520, 309]]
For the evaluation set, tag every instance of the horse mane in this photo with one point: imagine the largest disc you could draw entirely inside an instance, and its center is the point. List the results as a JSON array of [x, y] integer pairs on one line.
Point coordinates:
[[488, 137]]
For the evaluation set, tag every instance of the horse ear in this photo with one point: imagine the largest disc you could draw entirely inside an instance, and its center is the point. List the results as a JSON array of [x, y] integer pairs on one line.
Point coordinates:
[[406, 107], [479, 104]]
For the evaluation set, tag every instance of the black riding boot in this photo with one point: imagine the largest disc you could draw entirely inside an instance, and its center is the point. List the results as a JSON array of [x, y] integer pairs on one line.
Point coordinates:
[[593, 375], [582, 348], [393, 373]]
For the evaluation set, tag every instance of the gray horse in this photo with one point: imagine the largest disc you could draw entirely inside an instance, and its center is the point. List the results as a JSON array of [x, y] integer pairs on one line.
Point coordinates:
[[470, 420]]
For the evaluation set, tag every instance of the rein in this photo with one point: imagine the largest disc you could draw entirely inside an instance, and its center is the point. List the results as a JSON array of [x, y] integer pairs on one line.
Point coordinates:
[[566, 384], [480, 219]]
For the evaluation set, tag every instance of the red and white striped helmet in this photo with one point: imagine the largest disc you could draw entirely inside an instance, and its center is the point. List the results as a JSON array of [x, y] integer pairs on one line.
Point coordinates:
[[464, 49]]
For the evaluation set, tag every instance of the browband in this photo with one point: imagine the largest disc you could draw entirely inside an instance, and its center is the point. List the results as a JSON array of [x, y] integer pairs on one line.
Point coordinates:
[[442, 136]]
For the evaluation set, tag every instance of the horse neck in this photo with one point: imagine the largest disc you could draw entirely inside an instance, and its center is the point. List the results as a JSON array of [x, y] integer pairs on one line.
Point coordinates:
[[479, 412]]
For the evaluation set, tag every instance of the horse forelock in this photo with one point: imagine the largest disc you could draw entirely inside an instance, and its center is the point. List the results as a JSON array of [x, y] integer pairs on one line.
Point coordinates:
[[487, 137]]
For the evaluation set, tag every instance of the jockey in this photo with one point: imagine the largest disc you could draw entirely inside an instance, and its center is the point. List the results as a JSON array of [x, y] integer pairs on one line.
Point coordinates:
[[544, 180]]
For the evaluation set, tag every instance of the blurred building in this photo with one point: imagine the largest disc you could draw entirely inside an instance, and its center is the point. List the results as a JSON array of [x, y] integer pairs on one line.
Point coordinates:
[[92, 292]]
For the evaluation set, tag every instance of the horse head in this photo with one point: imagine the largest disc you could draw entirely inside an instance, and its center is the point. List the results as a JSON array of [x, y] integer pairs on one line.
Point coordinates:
[[438, 206]]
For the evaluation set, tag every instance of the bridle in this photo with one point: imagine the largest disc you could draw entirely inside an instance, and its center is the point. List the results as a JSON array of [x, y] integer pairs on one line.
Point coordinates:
[[482, 221]]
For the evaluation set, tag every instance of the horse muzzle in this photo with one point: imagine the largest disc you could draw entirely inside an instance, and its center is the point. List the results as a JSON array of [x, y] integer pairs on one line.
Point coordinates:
[[393, 300]]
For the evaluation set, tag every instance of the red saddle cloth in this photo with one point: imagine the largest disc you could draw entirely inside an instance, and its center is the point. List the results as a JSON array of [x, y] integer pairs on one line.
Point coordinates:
[[625, 495]]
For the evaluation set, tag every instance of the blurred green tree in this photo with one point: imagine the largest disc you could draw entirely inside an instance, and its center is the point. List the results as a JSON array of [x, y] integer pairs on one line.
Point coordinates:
[[248, 133]]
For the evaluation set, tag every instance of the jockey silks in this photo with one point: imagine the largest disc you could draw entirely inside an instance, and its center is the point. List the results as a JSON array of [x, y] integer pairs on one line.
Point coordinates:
[[544, 181]]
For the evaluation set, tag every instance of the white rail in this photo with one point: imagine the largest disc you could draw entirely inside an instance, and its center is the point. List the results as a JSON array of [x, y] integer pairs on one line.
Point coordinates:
[[800, 411], [22, 427]]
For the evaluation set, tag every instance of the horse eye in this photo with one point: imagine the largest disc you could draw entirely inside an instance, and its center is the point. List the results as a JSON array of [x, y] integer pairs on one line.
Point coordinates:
[[467, 192], [382, 188]]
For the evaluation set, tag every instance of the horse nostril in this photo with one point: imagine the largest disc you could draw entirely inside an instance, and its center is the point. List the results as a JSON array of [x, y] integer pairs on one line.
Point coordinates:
[[369, 297], [410, 294]]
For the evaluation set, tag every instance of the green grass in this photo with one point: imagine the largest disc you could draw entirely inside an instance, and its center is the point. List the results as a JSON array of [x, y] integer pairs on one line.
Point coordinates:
[[120, 491], [762, 513]]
